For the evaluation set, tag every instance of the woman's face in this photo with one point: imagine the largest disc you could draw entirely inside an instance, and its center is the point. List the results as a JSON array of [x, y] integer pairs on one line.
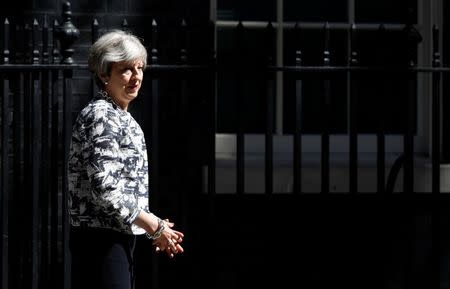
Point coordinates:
[[124, 82]]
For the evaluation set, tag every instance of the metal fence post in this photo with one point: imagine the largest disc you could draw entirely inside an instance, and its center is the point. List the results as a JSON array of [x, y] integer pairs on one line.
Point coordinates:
[[67, 33]]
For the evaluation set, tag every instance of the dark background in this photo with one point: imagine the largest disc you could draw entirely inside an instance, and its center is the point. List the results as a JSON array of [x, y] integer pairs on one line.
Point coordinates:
[[254, 241]]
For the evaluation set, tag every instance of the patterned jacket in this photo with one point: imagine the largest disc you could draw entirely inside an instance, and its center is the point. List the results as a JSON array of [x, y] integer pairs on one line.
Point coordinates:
[[108, 168]]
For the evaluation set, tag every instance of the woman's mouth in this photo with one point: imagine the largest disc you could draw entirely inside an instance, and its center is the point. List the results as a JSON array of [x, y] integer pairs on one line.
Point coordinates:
[[133, 88]]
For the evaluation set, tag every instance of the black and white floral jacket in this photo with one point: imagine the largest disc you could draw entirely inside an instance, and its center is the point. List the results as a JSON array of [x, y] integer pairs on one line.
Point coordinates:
[[108, 168]]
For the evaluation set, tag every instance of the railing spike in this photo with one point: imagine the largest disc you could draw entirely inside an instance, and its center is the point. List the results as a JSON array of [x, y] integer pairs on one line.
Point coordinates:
[[326, 46], [183, 44], [55, 50], [154, 50], [6, 30], [353, 45], [45, 53], [298, 42], [94, 30], [270, 43], [436, 55], [34, 44], [125, 24]]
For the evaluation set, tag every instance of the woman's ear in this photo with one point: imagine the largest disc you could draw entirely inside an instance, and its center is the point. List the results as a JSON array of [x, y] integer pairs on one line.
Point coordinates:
[[104, 79]]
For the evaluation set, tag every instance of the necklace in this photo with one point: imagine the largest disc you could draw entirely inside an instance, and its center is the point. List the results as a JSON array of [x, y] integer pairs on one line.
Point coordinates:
[[105, 95]]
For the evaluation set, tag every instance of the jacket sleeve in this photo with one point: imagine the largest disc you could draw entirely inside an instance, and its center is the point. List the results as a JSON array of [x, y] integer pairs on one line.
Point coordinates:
[[113, 192]]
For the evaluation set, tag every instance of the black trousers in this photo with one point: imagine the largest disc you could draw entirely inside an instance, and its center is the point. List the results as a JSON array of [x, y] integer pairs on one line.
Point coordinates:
[[101, 259]]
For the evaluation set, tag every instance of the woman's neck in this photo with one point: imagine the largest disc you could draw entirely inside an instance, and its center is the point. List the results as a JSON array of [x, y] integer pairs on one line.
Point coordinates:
[[122, 105]]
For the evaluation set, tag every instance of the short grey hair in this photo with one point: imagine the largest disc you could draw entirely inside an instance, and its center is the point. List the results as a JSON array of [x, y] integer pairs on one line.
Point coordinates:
[[114, 46]]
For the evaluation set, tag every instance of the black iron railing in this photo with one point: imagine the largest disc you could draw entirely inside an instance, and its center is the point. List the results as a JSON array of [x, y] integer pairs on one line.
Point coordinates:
[[36, 131], [354, 72], [36, 109]]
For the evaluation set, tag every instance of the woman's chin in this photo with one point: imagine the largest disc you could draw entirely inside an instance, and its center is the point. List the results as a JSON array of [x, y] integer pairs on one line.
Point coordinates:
[[132, 95]]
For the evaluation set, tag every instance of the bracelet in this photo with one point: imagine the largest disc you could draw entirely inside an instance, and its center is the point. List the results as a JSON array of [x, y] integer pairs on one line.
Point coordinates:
[[158, 232]]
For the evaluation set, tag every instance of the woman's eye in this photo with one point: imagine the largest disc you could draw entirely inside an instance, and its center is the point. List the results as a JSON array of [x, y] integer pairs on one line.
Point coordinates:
[[130, 70]]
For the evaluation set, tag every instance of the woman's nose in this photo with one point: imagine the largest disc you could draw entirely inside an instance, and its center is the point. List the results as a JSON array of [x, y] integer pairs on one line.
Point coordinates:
[[136, 73]]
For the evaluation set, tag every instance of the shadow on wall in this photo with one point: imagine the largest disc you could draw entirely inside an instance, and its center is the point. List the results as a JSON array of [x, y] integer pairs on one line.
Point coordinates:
[[283, 241]]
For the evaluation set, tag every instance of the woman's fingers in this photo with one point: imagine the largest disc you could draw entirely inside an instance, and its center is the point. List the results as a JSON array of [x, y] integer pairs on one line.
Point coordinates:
[[171, 248], [169, 223], [179, 248], [170, 243]]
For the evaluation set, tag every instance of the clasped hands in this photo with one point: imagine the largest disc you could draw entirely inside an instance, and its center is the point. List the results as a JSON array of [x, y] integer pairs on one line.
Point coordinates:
[[169, 241]]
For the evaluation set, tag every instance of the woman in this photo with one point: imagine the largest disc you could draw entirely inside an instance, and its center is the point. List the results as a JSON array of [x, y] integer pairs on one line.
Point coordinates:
[[108, 173]]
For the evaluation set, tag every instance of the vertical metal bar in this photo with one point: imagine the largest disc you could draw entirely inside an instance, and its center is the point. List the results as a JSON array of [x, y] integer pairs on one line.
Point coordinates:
[[269, 137], [54, 185], [353, 114], [35, 150], [18, 183], [154, 185], [269, 112], [381, 32], [54, 273], [27, 193], [45, 160], [279, 61], [445, 122], [436, 253], [4, 184], [436, 115], [183, 176], [27, 185], [212, 75], [155, 119], [155, 159], [5, 168], [66, 134], [213, 114], [408, 142], [297, 165], [240, 133], [67, 34], [94, 34], [436, 159], [325, 163], [412, 39]]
